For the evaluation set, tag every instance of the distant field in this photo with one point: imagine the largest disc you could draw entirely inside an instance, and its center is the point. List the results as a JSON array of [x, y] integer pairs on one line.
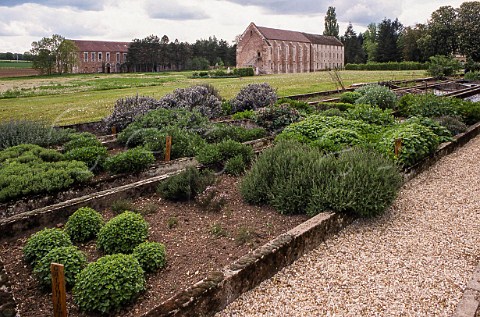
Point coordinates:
[[15, 64], [71, 99]]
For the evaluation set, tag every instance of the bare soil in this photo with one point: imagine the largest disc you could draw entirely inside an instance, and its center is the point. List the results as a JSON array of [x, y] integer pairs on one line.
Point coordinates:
[[197, 242]]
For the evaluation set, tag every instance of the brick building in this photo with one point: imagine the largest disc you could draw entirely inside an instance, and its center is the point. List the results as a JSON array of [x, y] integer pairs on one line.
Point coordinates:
[[273, 51], [101, 56]]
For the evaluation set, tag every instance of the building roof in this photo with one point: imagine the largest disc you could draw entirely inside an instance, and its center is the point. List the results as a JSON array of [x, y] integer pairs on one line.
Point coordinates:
[[101, 46], [294, 36]]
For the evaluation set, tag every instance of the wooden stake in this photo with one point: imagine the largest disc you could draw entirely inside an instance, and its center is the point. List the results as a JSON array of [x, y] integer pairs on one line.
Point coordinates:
[[398, 147], [58, 290], [114, 130], [168, 148]]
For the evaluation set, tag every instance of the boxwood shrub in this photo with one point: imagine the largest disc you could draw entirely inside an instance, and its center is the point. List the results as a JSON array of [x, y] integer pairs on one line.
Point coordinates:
[[93, 156], [72, 259], [109, 283], [152, 256], [42, 242], [122, 233], [131, 161], [83, 224]]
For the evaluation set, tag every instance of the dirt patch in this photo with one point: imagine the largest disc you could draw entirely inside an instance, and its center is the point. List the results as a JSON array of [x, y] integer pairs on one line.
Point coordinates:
[[17, 72], [197, 242]]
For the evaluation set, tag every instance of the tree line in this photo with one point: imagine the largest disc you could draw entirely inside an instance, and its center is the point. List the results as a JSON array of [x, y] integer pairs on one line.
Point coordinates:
[[449, 31]]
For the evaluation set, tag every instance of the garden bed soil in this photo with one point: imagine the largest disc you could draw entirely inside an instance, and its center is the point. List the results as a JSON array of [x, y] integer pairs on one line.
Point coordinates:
[[193, 250]]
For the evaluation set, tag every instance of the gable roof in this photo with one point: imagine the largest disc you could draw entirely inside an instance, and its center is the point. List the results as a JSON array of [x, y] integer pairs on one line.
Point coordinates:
[[101, 46], [294, 36]]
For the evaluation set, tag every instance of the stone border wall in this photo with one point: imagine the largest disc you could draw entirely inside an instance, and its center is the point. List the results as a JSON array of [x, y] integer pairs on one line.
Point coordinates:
[[469, 305]]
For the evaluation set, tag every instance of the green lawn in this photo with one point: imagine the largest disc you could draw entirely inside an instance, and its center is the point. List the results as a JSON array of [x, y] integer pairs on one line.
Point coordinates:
[[14, 64], [83, 98]]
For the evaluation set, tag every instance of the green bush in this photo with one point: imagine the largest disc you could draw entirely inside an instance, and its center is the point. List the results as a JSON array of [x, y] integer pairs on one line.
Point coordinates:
[[472, 76], [122, 233], [109, 283], [16, 132], [235, 166], [387, 66], [82, 140], [377, 95], [131, 161], [427, 105], [121, 205], [93, 156], [334, 140], [72, 259], [221, 152], [301, 106], [185, 185], [244, 72], [363, 183], [151, 256], [184, 143], [418, 142], [333, 112], [453, 124], [441, 66], [444, 135], [42, 242], [26, 153], [17, 179], [84, 224], [350, 97], [296, 178], [371, 114], [247, 114], [470, 111], [277, 117], [221, 132]]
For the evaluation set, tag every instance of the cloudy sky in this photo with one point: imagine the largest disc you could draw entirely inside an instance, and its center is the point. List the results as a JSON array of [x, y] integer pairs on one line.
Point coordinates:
[[25, 21]]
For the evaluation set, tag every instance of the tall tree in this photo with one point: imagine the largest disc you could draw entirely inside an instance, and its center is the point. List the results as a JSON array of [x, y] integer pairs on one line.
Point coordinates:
[[331, 24], [412, 49], [370, 42], [388, 35], [54, 54], [354, 52], [469, 30], [442, 29]]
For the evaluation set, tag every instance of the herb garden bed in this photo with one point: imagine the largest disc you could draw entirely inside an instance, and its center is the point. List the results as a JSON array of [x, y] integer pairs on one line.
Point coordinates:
[[197, 243]]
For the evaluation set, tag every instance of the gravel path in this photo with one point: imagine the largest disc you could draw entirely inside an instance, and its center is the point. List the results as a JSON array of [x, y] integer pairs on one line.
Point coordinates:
[[414, 261]]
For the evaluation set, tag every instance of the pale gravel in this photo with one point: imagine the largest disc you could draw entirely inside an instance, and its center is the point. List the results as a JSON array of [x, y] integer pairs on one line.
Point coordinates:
[[414, 261]]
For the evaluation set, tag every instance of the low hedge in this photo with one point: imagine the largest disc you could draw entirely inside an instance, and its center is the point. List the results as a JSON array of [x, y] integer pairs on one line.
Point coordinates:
[[387, 66], [131, 161]]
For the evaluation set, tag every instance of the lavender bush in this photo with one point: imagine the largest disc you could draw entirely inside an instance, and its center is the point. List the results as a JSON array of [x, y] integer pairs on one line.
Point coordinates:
[[254, 96], [126, 110]]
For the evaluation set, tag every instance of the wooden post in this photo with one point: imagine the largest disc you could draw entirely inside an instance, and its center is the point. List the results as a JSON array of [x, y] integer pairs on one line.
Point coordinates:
[[114, 130], [398, 147], [58, 290], [168, 148]]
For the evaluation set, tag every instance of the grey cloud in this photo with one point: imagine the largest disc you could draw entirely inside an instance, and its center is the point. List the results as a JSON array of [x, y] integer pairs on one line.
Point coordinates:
[[174, 11], [89, 5], [286, 6]]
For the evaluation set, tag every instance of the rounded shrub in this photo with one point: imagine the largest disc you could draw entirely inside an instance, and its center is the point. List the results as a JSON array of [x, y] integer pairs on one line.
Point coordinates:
[[72, 259], [276, 117], [335, 139], [93, 156], [453, 124], [131, 161], [122, 233], [371, 114], [350, 97], [376, 95], [185, 185], [254, 96], [42, 242], [235, 166], [83, 224], [151, 256], [81, 140], [109, 283]]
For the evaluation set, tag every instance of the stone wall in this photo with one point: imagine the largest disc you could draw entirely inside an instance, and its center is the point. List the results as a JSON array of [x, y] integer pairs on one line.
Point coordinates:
[[7, 303]]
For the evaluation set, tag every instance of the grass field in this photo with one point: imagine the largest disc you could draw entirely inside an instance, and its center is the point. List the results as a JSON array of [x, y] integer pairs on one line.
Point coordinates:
[[15, 64], [83, 98]]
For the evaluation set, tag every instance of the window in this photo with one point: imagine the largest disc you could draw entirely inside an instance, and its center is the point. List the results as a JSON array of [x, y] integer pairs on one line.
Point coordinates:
[[124, 57], [118, 57], [108, 57], [85, 57], [93, 56], [100, 57]]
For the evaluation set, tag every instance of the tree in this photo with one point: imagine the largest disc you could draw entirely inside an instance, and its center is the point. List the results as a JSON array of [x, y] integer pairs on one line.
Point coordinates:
[[442, 31], [331, 25], [412, 49], [387, 43], [354, 52], [468, 26], [54, 54], [370, 42]]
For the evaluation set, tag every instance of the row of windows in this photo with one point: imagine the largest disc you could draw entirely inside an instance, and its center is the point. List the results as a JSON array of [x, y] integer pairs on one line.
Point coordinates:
[[94, 55], [319, 66]]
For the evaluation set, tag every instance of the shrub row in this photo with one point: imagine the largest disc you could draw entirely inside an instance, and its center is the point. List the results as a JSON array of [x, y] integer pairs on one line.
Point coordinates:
[[387, 66]]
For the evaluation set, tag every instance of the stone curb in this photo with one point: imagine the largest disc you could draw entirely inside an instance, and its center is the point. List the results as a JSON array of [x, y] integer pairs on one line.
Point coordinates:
[[469, 305], [218, 289]]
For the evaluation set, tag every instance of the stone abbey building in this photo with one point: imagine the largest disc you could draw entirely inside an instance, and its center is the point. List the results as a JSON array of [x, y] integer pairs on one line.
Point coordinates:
[[273, 51], [101, 56]]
